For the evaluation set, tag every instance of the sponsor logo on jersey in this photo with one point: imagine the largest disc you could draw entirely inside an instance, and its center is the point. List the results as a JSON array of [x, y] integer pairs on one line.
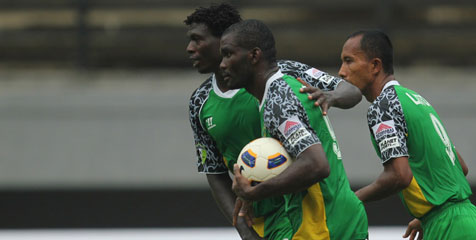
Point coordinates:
[[293, 130], [326, 78], [297, 136], [202, 153], [388, 143], [314, 73], [383, 129], [209, 122], [290, 126]]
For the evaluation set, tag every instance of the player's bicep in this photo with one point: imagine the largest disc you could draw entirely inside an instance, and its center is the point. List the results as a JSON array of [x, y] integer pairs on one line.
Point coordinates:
[[388, 129], [325, 81], [313, 76], [209, 159], [286, 120]]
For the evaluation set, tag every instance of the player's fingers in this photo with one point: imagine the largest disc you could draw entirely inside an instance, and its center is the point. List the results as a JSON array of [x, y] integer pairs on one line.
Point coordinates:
[[303, 82], [233, 184], [249, 220], [243, 210], [236, 169], [413, 234], [238, 204], [324, 107], [309, 89], [407, 232], [314, 93], [249, 213], [250, 210]]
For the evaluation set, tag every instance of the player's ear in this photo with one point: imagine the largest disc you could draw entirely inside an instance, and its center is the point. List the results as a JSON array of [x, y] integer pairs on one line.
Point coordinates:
[[376, 65], [255, 55]]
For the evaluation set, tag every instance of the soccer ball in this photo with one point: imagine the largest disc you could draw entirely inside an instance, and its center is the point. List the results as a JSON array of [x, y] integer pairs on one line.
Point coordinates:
[[262, 159]]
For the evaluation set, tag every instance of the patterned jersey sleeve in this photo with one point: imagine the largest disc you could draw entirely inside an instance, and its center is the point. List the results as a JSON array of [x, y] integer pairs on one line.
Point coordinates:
[[387, 126], [313, 76], [208, 156], [286, 120]]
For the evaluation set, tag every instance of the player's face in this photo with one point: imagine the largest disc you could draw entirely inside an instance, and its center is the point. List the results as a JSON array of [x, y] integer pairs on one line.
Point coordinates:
[[355, 68], [235, 64], [203, 48]]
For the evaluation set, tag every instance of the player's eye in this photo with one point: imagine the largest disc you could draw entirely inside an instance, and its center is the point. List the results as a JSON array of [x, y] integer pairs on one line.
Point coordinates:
[[195, 38]]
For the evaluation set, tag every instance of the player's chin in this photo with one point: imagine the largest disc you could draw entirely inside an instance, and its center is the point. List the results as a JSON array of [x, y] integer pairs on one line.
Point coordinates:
[[202, 69], [232, 85]]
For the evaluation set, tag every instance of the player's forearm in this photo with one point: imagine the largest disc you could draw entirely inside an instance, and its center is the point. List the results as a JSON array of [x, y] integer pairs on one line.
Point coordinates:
[[310, 168], [385, 186], [395, 177], [220, 185], [245, 231], [346, 95], [373, 192]]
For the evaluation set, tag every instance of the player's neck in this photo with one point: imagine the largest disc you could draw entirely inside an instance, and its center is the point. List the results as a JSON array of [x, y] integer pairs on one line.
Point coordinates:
[[220, 82], [378, 86], [259, 83]]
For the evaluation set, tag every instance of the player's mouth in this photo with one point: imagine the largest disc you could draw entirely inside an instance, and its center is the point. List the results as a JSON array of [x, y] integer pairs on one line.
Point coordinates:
[[195, 61], [226, 77]]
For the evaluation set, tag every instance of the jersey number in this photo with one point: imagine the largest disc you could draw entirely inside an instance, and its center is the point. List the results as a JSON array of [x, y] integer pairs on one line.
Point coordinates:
[[444, 137]]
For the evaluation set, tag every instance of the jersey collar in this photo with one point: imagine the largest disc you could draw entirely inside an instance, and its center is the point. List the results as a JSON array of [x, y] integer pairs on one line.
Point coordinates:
[[390, 83], [275, 76], [228, 94]]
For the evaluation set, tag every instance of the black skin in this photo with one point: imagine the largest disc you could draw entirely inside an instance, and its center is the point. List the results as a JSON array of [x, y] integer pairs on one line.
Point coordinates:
[[369, 76], [225, 199], [345, 96], [310, 167], [203, 49], [249, 69]]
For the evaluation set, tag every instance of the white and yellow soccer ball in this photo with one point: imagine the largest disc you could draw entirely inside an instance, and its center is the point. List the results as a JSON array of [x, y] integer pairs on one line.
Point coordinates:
[[262, 159]]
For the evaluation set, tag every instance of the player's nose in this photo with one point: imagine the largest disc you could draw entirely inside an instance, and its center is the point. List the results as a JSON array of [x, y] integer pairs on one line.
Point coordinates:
[[342, 73], [190, 48], [222, 64]]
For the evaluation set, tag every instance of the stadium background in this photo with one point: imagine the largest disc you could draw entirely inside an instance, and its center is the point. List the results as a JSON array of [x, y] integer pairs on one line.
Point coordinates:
[[94, 128]]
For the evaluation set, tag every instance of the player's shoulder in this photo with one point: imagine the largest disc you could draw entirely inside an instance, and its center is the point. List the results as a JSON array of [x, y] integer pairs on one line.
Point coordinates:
[[309, 74], [295, 69], [298, 69], [279, 94], [202, 92], [200, 95], [387, 97], [280, 85], [290, 65], [384, 106]]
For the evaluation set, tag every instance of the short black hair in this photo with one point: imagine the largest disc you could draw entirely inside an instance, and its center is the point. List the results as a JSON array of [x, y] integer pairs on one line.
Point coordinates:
[[216, 17], [376, 44], [254, 33]]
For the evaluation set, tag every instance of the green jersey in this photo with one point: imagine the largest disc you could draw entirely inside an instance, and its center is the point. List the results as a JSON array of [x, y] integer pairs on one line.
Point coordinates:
[[224, 122], [403, 123], [328, 209]]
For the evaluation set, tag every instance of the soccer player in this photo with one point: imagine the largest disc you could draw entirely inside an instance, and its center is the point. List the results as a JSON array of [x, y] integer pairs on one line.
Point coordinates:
[[311, 199], [225, 120], [420, 162]]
